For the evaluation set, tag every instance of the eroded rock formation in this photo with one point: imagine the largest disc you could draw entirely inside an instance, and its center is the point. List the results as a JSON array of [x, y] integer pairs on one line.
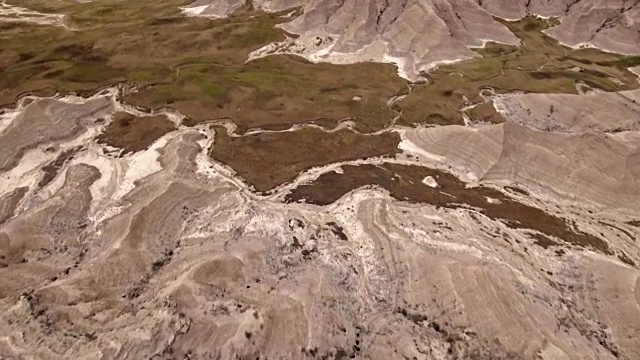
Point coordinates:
[[165, 253], [123, 234], [416, 35]]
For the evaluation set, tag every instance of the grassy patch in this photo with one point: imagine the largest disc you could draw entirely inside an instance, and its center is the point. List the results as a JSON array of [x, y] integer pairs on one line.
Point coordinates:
[[277, 91], [135, 133], [539, 65], [485, 113], [270, 159], [198, 66]]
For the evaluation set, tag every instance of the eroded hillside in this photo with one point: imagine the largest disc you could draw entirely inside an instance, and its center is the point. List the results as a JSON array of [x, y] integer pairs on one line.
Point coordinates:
[[162, 197], [393, 32]]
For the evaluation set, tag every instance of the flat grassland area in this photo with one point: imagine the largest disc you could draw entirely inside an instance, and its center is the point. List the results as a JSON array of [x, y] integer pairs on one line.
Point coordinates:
[[198, 66], [269, 159]]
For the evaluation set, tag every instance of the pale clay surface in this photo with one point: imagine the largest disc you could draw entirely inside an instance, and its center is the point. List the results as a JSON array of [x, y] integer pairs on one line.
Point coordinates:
[[421, 278]]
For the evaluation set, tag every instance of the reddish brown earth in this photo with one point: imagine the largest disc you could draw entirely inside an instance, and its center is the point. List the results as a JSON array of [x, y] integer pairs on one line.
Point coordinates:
[[267, 160], [132, 133], [405, 183]]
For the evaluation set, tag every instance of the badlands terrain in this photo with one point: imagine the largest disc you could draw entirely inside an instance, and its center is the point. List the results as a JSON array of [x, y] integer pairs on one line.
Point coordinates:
[[320, 179]]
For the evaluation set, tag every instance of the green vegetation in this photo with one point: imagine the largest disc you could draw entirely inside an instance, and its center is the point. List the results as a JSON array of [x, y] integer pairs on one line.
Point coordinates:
[[539, 65], [485, 113], [115, 40], [195, 65], [276, 91], [198, 66]]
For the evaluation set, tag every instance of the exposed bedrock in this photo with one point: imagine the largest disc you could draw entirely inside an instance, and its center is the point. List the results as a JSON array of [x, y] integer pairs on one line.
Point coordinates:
[[417, 35], [596, 167], [162, 252]]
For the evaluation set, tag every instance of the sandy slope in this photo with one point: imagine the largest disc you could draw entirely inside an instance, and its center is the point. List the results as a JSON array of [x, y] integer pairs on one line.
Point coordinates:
[[609, 25]]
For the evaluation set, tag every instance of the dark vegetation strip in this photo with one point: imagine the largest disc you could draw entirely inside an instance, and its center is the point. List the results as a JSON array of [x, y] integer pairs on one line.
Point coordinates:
[[51, 170], [404, 182], [267, 160], [132, 133]]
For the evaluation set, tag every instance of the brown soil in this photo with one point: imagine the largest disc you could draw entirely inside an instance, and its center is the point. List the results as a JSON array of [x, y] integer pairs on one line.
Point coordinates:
[[51, 169], [625, 259], [486, 113], [133, 133], [517, 190], [635, 223], [543, 240], [10, 201], [269, 159], [277, 91], [405, 183]]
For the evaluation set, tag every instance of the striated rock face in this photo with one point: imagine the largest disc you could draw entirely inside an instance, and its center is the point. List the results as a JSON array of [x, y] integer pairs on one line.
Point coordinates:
[[30, 128], [574, 113], [394, 32], [214, 8], [516, 9], [419, 34], [601, 168], [609, 25], [384, 31]]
